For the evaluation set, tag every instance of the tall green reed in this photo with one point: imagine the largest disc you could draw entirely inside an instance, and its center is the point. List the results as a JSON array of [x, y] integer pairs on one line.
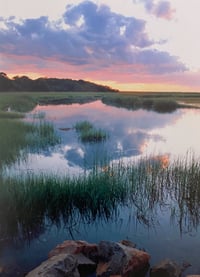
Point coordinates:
[[28, 202]]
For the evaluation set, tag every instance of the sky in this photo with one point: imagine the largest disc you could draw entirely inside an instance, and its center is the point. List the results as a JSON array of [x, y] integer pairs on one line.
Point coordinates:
[[130, 45]]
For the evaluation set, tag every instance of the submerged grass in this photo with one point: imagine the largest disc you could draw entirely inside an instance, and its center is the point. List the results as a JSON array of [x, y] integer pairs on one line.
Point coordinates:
[[28, 202], [88, 133]]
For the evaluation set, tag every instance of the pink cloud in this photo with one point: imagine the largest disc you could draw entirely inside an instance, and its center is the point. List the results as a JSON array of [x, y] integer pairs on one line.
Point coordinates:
[[80, 52], [163, 10]]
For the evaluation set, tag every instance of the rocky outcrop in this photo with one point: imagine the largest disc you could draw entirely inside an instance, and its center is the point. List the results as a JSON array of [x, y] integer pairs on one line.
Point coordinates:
[[60, 265], [79, 258], [166, 268], [121, 259]]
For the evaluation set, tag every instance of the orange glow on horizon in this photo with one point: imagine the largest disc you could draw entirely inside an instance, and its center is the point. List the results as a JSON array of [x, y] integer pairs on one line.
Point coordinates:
[[124, 87], [31, 75], [148, 87]]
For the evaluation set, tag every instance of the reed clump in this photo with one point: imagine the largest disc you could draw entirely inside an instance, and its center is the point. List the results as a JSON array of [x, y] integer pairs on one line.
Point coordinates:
[[23, 137], [31, 202], [149, 103], [88, 133]]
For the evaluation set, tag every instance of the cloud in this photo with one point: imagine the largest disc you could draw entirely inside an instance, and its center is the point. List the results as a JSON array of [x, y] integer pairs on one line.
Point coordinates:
[[161, 9], [87, 38]]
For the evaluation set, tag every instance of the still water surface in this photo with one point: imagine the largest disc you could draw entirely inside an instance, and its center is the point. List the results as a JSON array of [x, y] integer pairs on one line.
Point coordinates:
[[132, 135]]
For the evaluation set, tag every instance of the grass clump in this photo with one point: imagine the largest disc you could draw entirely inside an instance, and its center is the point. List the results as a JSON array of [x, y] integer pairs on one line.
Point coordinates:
[[88, 133], [83, 126], [43, 135], [161, 105], [10, 115], [18, 138], [28, 203]]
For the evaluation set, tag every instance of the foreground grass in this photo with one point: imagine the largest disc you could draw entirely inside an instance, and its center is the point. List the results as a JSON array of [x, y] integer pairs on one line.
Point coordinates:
[[29, 203], [88, 133]]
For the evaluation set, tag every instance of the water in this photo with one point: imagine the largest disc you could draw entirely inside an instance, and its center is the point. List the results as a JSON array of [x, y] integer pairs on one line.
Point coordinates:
[[132, 135]]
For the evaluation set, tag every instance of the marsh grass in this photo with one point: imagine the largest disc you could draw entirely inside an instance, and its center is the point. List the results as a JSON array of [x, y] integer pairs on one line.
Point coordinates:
[[10, 115], [28, 202], [161, 102], [42, 136], [157, 104], [18, 138], [83, 126], [17, 102], [88, 133]]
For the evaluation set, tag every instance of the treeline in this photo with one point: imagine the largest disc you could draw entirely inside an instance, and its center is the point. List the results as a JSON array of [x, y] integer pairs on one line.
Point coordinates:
[[24, 83]]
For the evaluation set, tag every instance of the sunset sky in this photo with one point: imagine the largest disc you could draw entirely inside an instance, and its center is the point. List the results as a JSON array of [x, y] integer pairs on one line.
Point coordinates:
[[151, 45]]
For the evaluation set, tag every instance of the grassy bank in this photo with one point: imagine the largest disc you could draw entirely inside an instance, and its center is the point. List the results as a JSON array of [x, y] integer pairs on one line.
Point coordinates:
[[26, 101], [28, 203], [160, 104]]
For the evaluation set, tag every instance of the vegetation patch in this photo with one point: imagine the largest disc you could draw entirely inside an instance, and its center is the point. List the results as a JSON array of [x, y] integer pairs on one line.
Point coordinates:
[[29, 203], [135, 102], [88, 133], [18, 138]]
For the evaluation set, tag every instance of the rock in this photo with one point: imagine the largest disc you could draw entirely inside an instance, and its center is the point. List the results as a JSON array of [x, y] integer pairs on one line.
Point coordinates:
[[137, 261], [85, 253], [80, 258], [57, 266], [75, 247], [107, 249], [166, 268], [193, 276], [128, 243], [118, 259]]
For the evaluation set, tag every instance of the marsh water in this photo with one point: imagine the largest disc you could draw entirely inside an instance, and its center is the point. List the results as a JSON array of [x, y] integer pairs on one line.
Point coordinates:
[[131, 136]]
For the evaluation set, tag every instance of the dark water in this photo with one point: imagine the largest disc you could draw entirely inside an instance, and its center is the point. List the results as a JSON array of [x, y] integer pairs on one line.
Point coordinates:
[[132, 135]]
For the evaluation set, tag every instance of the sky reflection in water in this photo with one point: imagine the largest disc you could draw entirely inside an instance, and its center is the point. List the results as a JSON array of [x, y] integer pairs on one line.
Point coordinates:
[[132, 134]]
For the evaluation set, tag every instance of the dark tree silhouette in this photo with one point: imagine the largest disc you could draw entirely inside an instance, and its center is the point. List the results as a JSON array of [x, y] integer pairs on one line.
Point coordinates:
[[24, 83]]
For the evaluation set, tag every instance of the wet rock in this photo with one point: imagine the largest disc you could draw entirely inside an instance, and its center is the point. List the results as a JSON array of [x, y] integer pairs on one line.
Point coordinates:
[[90, 250], [128, 243], [137, 261], [122, 260], [57, 266], [78, 258], [107, 249], [166, 268]]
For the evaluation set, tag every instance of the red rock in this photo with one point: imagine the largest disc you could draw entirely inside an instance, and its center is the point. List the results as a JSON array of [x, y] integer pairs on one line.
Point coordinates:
[[76, 247], [122, 260], [136, 260], [107, 258]]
